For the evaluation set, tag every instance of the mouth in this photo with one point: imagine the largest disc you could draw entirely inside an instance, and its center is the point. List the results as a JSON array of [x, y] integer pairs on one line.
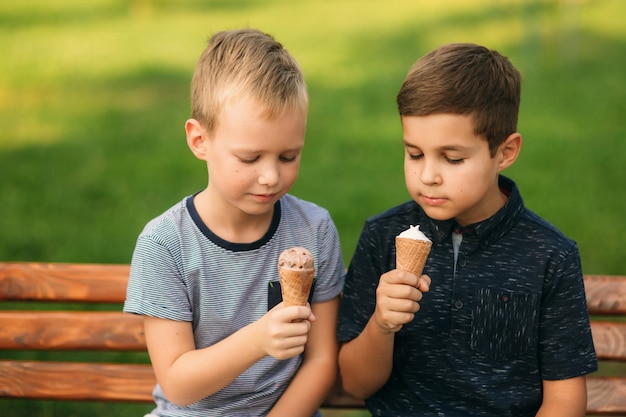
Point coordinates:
[[264, 198], [432, 201]]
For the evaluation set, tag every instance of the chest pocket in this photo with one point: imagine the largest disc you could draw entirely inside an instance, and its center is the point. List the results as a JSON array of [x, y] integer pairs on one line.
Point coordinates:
[[504, 323]]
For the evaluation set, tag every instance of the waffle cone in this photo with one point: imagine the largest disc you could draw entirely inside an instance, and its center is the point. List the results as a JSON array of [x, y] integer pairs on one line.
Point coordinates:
[[411, 254], [295, 285]]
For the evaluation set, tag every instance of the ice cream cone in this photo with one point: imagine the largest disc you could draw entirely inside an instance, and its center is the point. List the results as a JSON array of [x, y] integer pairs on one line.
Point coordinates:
[[296, 270], [411, 254], [295, 285]]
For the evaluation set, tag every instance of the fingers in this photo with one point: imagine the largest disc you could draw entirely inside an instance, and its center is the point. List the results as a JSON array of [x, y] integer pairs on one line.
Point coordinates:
[[284, 345], [304, 313], [398, 276], [286, 330], [392, 314], [402, 285], [296, 313], [397, 298], [424, 283]]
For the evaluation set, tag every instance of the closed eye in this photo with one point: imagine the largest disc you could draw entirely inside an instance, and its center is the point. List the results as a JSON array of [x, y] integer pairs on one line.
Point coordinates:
[[454, 161], [249, 160], [288, 158]]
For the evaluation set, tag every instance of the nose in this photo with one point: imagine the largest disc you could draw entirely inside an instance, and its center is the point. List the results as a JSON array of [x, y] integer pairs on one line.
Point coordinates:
[[269, 174], [430, 172]]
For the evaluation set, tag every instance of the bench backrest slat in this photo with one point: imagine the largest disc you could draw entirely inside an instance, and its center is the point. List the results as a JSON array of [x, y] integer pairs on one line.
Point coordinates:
[[76, 381], [606, 396], [71, 330], [606, 295], [609, 339], [91, 283]]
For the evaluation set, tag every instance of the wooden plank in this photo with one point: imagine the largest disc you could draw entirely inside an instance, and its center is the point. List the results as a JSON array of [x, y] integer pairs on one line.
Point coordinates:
[[606, 396], [605, 294], [609, 339], [46, 330], [63, 282], [76, 381]]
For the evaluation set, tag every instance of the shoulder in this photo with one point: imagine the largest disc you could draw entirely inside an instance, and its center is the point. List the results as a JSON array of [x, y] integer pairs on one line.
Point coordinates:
[[543, 233], [530, 226], [535, 244], [168, 225]]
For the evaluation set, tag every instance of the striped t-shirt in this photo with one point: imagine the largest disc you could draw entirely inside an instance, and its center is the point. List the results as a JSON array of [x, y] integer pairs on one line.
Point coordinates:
[[182, 271]]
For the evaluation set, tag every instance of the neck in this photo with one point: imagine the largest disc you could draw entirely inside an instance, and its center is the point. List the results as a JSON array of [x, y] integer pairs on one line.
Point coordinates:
[[230, 223]]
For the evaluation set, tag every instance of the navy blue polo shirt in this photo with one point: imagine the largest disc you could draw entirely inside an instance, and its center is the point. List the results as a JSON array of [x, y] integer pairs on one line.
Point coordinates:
[[504, 312]]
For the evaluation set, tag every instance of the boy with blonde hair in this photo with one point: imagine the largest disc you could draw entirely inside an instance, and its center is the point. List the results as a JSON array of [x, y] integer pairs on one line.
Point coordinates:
[[204, 273], [498, 325]]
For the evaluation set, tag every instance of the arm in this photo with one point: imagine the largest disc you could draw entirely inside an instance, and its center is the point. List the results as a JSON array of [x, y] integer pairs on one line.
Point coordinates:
[[565, 340], [187, 374], [397, 300], [318, 371], [566, 397]]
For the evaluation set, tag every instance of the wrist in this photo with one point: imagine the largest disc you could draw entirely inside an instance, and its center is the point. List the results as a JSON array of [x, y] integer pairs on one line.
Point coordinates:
[[254, 337], [382, 327]]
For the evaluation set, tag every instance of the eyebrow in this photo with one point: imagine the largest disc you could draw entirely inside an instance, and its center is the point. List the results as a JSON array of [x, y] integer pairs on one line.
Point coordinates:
[[442, 148], [257, 151], [453, 148]]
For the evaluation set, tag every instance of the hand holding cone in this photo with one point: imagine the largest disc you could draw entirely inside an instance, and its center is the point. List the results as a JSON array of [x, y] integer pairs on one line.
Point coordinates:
[[296, 270]]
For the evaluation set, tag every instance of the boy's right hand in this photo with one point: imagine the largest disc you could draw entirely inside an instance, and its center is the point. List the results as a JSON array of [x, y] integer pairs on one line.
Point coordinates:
[[397, 298], [284, 330]]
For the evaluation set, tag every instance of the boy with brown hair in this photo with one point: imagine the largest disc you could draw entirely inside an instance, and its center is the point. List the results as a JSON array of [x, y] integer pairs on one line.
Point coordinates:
[[503, 328], [204, 273]]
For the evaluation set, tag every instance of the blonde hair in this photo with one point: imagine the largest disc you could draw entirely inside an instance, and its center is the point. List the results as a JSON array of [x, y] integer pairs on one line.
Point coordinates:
[[246, 63]]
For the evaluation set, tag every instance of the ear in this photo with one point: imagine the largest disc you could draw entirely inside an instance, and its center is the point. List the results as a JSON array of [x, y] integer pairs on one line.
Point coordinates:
[[196, 138], [509, 150]]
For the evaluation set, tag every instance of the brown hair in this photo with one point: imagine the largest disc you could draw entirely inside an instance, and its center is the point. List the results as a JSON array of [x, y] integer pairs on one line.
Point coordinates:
[[245, 63], [465, 79]]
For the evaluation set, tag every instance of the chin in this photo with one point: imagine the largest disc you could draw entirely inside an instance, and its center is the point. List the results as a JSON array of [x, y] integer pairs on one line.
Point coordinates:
[[258, 210], [437, 214]]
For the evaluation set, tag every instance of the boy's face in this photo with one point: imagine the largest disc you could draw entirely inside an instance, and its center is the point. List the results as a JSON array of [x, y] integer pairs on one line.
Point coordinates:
[[253, 161], [449, 170]]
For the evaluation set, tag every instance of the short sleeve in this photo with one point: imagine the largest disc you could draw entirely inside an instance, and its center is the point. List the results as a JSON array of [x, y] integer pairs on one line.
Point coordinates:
[[566, 346], [330, 269], [155, 287], [359, 297]]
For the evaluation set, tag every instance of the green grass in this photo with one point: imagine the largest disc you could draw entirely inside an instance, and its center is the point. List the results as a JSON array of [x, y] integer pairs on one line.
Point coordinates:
[[94, 95]]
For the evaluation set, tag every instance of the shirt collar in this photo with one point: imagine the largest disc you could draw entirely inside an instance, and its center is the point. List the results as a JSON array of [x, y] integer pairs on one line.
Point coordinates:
[[488, 230]]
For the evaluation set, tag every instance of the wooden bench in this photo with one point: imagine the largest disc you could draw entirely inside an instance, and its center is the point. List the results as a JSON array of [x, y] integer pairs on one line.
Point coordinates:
[[29, 321]]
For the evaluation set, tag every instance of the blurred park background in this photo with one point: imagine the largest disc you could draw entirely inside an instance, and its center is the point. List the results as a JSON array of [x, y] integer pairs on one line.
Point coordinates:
[[94, 96]]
